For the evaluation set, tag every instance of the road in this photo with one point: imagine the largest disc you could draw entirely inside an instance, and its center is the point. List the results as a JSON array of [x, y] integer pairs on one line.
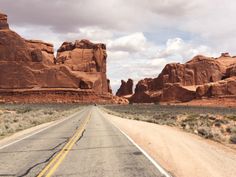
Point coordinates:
[[85, 145]]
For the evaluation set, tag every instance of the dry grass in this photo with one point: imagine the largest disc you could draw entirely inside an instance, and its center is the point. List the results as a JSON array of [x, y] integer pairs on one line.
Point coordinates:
[[218, 124], [18, 117]]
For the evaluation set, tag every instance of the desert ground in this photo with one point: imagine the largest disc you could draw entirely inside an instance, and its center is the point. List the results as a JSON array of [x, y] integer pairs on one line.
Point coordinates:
[[17, 117]]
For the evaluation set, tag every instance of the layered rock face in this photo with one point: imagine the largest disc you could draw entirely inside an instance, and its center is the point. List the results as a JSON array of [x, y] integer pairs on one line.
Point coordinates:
[[87, 57], [126, 88], [200, 77], [30, 65], [225, 87], [41, 51]]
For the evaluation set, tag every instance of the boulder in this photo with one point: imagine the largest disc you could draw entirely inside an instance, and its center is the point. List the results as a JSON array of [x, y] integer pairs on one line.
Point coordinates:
[[126, 88]]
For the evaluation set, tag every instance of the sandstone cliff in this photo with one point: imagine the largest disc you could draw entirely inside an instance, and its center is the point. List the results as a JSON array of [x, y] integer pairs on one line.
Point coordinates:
[[28, 66], [200, 77], [126, 88]]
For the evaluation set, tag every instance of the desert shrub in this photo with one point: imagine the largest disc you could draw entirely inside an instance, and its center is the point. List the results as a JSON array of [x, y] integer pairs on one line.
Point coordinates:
[[228, 129], [217, 124], [157, 116], [216, 136], [233, 129], [233, 138], [205, 132], [24, 110], [192, 116], [49, 112], [232, 117]]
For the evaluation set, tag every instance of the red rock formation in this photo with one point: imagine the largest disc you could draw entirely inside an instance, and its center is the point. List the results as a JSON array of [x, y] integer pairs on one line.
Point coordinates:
[[47, 51], [178, 82], [109, 86], [27, 65], [176, 92], [231, 71], [225, 87], [226, 54], [87, 57], [3, 21], [197, 71], [126, 88]]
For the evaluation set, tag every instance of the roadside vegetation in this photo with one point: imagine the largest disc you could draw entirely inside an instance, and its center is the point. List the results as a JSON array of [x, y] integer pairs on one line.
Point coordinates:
[[218, 124], [16, 117]]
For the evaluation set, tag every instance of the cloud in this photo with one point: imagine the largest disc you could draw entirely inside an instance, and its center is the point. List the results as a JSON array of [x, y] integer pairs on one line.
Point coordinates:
[[135, 42], [178, 49]]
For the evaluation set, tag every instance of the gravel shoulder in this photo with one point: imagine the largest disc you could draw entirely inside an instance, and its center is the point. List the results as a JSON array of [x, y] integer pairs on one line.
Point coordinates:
[[182, 154]]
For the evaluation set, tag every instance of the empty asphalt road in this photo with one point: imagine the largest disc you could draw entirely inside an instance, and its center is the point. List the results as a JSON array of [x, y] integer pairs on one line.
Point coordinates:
[[85, 145]]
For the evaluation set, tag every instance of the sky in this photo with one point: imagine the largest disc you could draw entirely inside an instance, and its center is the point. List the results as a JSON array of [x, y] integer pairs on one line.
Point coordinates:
[[142, 36]]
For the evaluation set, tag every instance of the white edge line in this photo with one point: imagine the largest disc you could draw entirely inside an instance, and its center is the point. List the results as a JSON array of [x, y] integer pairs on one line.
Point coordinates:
[[162, 170], [9, 144]]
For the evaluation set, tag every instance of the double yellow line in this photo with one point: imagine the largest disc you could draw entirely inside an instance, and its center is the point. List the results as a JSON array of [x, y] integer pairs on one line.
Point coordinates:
[[51, 167]]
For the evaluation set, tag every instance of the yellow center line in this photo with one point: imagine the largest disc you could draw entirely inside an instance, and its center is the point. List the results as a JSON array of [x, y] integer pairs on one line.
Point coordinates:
[[51, 167]]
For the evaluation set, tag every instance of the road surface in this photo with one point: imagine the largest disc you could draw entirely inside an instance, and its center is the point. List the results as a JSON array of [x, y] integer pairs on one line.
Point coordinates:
[[85, 145]]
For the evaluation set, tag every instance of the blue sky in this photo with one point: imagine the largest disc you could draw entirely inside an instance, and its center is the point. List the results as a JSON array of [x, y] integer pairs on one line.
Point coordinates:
[[142, 36]]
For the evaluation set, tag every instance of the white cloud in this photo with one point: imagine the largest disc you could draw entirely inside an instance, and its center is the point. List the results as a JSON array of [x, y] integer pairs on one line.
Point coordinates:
[[135, 42], [180, 50]]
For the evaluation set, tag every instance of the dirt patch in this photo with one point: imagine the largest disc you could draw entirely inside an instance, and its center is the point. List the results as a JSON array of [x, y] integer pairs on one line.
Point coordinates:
[[181, 153]]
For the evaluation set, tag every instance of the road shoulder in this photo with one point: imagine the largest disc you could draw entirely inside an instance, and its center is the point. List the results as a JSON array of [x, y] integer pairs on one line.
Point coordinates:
[[181, 153]]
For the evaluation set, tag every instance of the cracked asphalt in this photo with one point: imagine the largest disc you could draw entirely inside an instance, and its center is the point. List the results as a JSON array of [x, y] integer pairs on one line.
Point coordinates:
[[101, 151]]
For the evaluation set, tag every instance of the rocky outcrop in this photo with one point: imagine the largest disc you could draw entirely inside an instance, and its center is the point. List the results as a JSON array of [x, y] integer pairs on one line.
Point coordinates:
[[85, 56], [41, 51], [177, 93], [109, 86], [27, 65], [3, 22], [198, 71], [126, 88], [231, 71], [184, 82], [226, 54], [225, 87]]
